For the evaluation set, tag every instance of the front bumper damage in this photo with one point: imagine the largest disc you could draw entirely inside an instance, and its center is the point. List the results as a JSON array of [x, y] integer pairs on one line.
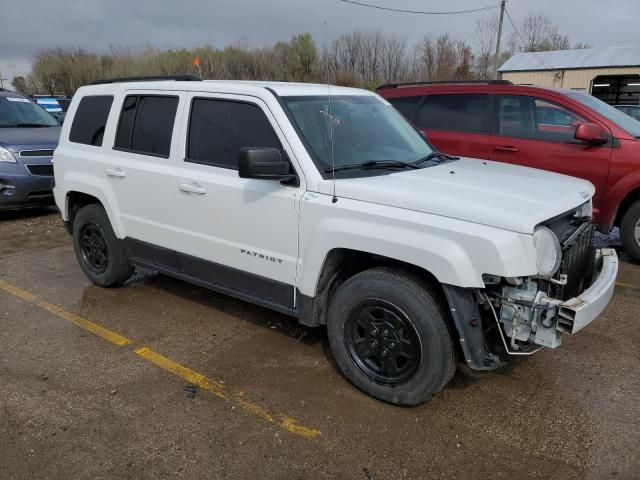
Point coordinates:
[[529, 315], [520, 318]]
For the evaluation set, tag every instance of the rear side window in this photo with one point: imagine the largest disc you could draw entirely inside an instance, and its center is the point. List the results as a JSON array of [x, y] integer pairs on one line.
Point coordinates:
[[218, 129], [405, 105], [146, 124], [461, 113], [90, 120]]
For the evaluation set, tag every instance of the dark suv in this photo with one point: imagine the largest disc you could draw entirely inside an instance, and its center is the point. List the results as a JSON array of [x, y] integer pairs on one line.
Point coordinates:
[[28, 137], [562, 131]]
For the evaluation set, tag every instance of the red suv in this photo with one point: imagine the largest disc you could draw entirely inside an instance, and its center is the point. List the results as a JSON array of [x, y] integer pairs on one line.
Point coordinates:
[[562, 131]]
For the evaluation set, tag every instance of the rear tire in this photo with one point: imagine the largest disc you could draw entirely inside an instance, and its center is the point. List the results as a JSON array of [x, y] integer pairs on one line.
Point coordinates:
[[390, 337], [630, 231], [99, 252]]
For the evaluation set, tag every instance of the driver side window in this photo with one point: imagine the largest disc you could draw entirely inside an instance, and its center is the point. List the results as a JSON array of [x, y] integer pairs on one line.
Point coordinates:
[[521, 116]]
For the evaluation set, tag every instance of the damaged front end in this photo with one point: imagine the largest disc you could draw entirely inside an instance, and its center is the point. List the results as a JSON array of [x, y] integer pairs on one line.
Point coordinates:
[[519, 316]]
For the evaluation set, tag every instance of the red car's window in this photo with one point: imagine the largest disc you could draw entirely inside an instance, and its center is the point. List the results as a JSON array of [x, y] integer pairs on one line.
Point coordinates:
[[529, 117]]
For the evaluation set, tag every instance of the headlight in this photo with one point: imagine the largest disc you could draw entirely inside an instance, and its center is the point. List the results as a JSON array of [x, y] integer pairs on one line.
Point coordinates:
[[548, 251], [6, 156]]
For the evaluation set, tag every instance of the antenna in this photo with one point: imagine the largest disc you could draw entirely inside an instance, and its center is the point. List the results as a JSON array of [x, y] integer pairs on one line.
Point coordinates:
[[333, 161]]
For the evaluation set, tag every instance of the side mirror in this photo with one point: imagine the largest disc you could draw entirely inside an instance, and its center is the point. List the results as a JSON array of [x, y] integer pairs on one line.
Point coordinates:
[[263, 163], [590, 133]]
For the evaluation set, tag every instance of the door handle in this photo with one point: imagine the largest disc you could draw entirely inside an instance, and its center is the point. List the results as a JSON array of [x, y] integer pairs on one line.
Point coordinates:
[[192, 188], [506, 148], [116, 172]]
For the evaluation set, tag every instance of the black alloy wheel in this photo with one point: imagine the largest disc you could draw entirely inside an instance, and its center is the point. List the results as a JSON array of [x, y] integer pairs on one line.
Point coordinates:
[[94, 248], [383, 342]]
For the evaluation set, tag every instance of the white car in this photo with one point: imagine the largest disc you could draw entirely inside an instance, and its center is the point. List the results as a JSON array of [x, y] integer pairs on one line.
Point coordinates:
[[325, 204]]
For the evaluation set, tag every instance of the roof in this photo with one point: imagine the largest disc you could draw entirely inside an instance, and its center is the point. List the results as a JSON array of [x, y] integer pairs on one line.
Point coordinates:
[[571, 59], [231, 86]]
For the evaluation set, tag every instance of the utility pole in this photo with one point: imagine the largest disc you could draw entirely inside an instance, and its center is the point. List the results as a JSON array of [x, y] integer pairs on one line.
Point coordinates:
[[497, 58]]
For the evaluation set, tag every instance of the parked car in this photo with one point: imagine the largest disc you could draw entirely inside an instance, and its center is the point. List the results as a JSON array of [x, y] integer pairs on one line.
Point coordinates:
[[53, 105], [28, 137], [336, 211], [563, 131], [631, 110]]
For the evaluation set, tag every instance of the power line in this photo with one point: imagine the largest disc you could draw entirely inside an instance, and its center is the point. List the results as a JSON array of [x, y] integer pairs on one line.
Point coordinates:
[[420, 12], [542, 62]]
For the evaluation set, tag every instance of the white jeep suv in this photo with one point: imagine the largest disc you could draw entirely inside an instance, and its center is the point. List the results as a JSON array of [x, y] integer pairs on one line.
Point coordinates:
[[325, 204]]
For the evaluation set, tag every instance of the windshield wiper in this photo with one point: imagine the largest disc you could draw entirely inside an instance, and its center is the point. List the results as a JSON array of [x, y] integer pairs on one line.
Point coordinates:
[[436, 157], [31, 125], [372, 164]]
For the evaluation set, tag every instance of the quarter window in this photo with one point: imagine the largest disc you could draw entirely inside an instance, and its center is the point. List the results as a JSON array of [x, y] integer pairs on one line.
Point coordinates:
[[146, 124], [461, 113], [218, 129], [528, 117], [90, 120]]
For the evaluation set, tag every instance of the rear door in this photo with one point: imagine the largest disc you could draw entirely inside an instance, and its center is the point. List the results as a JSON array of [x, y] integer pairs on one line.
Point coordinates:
[[458, 124], [140, 170], [539, 133]]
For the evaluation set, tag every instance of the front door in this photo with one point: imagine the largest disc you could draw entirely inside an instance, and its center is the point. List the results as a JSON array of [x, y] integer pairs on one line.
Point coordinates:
[[538, 133], [237, 233]]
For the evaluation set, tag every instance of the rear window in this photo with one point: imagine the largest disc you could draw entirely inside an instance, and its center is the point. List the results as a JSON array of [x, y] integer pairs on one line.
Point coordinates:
[[90, 120], [405, 105], [461, 113], [146, 124]]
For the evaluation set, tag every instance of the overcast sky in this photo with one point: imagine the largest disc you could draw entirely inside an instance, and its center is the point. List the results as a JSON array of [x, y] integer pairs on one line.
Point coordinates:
[[30, 25]]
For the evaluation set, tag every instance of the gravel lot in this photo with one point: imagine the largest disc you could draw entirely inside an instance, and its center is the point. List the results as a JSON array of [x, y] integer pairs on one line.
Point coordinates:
[[78, 405]]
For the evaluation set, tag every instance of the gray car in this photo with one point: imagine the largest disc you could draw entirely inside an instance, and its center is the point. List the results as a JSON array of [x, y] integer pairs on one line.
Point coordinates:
[[28, 137]]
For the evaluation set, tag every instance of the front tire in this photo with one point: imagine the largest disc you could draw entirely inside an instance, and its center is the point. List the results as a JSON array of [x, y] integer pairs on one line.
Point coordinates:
[[390, 338], [99, 252], [630, 231]]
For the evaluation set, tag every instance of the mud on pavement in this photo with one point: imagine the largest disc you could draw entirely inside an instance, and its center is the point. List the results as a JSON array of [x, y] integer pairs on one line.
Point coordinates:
[[210, 387]]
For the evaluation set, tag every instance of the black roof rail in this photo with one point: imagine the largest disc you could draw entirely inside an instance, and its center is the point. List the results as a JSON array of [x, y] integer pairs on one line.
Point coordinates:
[[149, 78], [445, 82]]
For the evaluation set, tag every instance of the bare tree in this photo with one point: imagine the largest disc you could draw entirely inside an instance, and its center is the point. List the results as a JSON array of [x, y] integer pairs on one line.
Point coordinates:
[[486, 39], [539, 34], [394, 59]]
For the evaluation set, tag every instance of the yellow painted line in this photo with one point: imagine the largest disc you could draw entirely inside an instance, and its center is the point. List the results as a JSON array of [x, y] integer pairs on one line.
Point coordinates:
[[57, 310], [626, 285], [219, 390]]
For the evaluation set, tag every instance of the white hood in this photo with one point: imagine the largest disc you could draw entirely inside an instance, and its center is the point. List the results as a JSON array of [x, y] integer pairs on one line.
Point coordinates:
[[490, 193]]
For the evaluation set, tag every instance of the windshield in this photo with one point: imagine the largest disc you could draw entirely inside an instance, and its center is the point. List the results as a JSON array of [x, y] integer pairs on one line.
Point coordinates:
[[21, 112], [624, 121], [364, 129]]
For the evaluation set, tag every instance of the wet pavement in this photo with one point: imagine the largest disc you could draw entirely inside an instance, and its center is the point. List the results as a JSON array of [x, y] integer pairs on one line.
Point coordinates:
[[74, 405]]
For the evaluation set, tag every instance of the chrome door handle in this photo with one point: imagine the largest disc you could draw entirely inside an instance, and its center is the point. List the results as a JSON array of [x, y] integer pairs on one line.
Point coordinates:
[[192, 188], [116, 172]]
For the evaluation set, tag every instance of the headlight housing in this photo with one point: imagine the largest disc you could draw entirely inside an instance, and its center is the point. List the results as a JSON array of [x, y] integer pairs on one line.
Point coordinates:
[[6, 156], [548, 251]]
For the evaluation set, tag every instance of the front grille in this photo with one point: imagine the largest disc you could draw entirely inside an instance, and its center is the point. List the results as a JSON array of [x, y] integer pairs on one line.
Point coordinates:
[[578, 257], [36, 153], [41, 170]]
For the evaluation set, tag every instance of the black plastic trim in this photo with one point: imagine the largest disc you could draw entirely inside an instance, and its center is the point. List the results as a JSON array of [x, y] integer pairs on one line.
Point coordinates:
[[237, 283], [148, 78], [468, 322]]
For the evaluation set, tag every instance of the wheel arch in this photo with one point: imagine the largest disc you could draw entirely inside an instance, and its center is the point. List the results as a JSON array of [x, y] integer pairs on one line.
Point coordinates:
[[631, 198], [339, 265]]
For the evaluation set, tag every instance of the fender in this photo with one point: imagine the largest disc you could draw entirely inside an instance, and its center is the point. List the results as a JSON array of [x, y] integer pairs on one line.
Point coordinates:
[[615, 196], [76, 181], [455, 252]]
